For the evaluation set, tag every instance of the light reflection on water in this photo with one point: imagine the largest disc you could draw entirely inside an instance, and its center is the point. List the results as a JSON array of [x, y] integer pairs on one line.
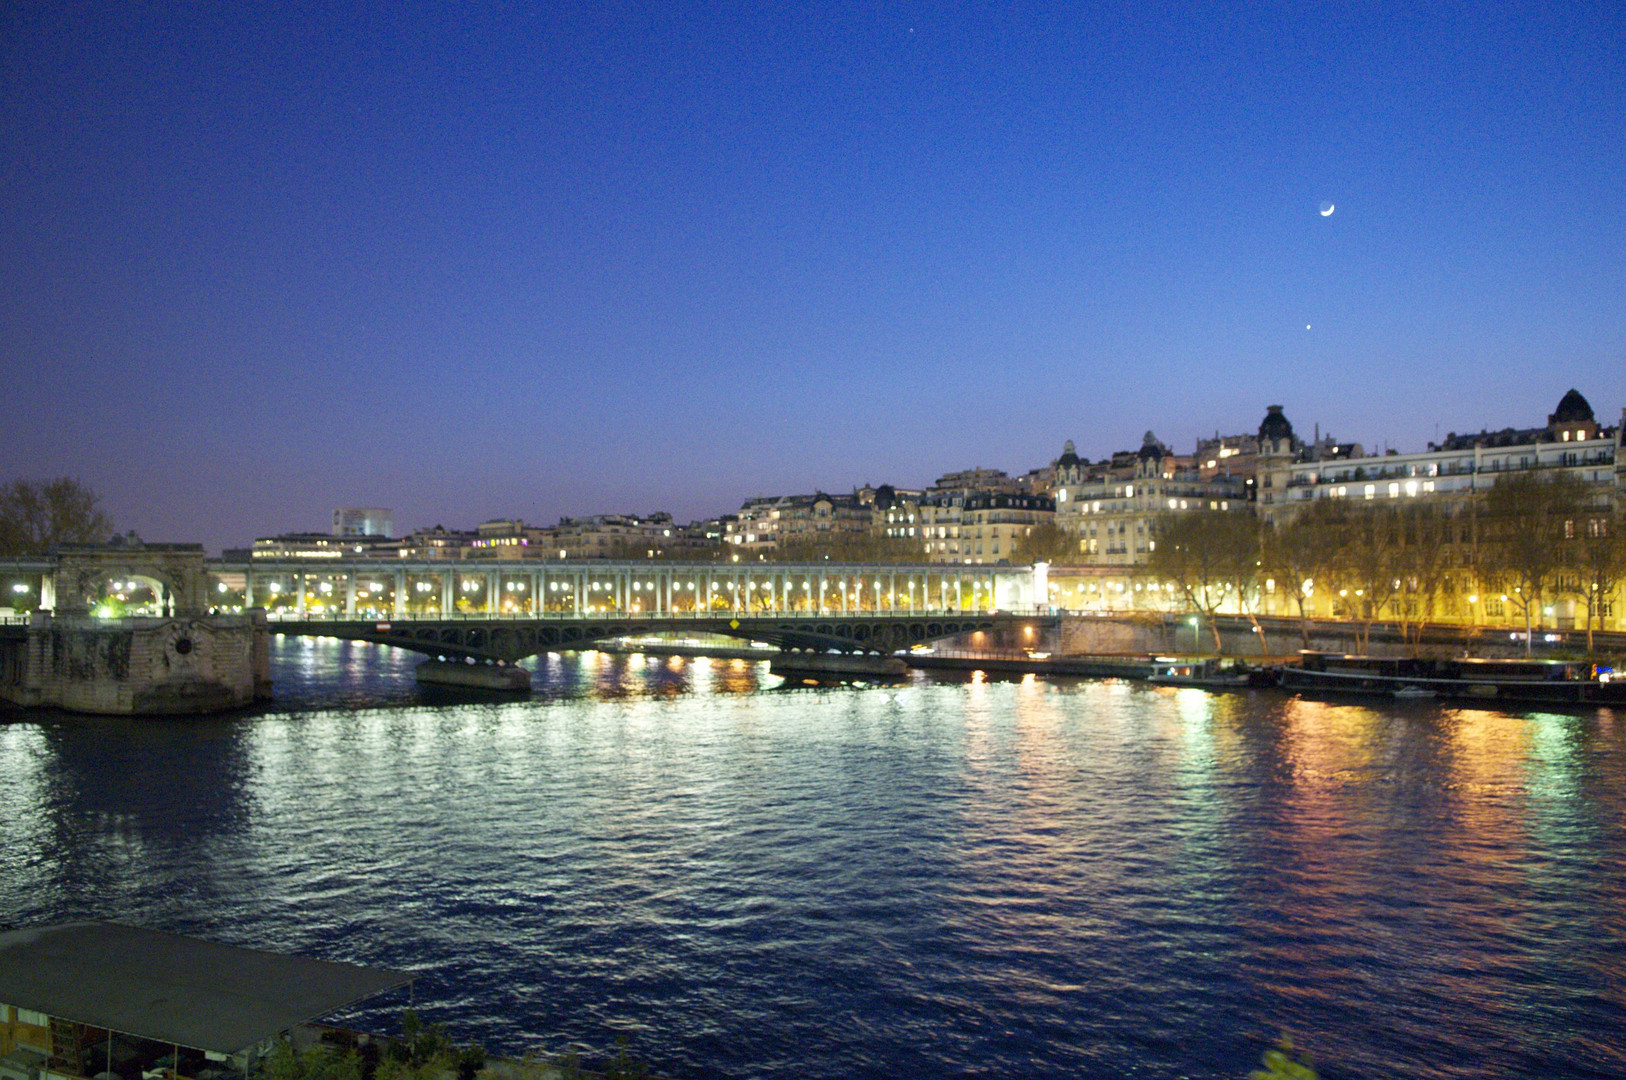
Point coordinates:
[[1013, 878]]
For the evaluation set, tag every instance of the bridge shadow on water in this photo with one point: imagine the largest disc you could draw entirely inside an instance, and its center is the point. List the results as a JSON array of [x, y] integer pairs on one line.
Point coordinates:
[[323, 673]]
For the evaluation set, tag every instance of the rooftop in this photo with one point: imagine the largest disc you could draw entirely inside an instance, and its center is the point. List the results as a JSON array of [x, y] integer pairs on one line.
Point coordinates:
[[175, 989]]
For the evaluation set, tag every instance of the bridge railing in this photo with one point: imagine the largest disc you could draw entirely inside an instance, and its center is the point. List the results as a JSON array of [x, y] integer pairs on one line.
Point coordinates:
[[645, 616]]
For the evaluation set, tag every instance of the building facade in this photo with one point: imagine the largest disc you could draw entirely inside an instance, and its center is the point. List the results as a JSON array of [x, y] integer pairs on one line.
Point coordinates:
[[979, 527], [1111, 508]]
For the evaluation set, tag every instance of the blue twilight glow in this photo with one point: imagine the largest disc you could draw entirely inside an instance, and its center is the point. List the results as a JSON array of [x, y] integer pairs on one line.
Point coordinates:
[[485, 260]]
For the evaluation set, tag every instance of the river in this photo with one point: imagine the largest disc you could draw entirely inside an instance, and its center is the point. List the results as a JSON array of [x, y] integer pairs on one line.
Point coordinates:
[[950, 878]]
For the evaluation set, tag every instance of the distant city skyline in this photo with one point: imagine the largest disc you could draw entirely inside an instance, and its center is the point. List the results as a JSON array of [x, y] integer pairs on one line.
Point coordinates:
[[490, 262], [1307, 436]]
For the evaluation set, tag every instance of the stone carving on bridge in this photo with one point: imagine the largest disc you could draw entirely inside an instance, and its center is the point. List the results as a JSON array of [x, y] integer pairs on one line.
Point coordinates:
[[178, 570]]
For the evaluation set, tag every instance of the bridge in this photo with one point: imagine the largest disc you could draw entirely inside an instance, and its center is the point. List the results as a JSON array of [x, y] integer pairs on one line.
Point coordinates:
[[503, 610], [384, 588], [509, 638], [506, 610]]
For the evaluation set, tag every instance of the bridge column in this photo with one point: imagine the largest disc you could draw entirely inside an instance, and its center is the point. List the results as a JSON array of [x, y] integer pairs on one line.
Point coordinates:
[[299, 593], [448, 592], [581, 592], [350, 596], [493, 592]]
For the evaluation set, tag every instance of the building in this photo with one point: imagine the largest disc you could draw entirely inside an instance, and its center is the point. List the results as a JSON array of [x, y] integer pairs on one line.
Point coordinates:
[[976, 480], [322, 546], [437, 543], [363, 521], [1112, 507], [767, 524], [506, 539], [979, 527], [1291, 477]]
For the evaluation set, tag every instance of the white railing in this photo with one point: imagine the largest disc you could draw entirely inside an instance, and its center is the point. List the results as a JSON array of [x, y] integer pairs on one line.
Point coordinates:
[[642, 616]]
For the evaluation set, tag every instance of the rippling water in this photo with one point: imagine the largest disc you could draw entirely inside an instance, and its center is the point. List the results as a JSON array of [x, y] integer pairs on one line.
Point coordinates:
[[1003, 879]]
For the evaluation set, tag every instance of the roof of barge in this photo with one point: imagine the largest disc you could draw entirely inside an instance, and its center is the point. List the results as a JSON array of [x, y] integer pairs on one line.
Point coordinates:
[[173, 988]]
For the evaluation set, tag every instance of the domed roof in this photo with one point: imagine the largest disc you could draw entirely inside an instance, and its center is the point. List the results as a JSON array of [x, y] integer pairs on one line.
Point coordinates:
[[1150, 448], [1069, 457], [1572, 409], [1275, 425]]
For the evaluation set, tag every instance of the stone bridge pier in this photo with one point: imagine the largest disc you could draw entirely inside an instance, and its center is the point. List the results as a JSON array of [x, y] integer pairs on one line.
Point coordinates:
[[175, 658]]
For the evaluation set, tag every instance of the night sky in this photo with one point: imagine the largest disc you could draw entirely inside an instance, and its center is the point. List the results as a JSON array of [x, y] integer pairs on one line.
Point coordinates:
[[509, 260]]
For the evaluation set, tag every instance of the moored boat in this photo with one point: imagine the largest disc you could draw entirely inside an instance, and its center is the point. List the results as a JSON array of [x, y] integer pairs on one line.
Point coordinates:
[[1552, 681], [1209, 673]]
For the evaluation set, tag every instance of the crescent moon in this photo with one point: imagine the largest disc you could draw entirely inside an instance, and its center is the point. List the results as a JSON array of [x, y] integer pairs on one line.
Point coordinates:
[[1328, 211]]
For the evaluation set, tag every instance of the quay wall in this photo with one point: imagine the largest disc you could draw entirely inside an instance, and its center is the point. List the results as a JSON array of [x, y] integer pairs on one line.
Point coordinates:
[[1142, 633]]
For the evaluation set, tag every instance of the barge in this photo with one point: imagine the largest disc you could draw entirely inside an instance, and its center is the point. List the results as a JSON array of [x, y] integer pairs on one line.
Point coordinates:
[[1554, 682], [1209, 673]]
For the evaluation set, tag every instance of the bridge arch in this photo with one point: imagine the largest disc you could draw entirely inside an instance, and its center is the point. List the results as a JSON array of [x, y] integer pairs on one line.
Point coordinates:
[[177, 573]]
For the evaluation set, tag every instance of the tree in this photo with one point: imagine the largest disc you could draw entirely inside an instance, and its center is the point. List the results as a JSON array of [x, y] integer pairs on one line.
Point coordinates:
[[1424, 532], [1207, 556], [1526, 517], [1365, 539], [34, 517], [847, 547], [1298, 554], [1599, 559], [1048, 543]]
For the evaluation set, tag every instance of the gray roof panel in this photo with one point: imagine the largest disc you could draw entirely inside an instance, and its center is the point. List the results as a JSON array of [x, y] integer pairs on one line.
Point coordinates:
[[175, 989]]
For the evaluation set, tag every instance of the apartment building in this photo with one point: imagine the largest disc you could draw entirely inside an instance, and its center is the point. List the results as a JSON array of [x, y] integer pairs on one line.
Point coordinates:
[[1111, 507]]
